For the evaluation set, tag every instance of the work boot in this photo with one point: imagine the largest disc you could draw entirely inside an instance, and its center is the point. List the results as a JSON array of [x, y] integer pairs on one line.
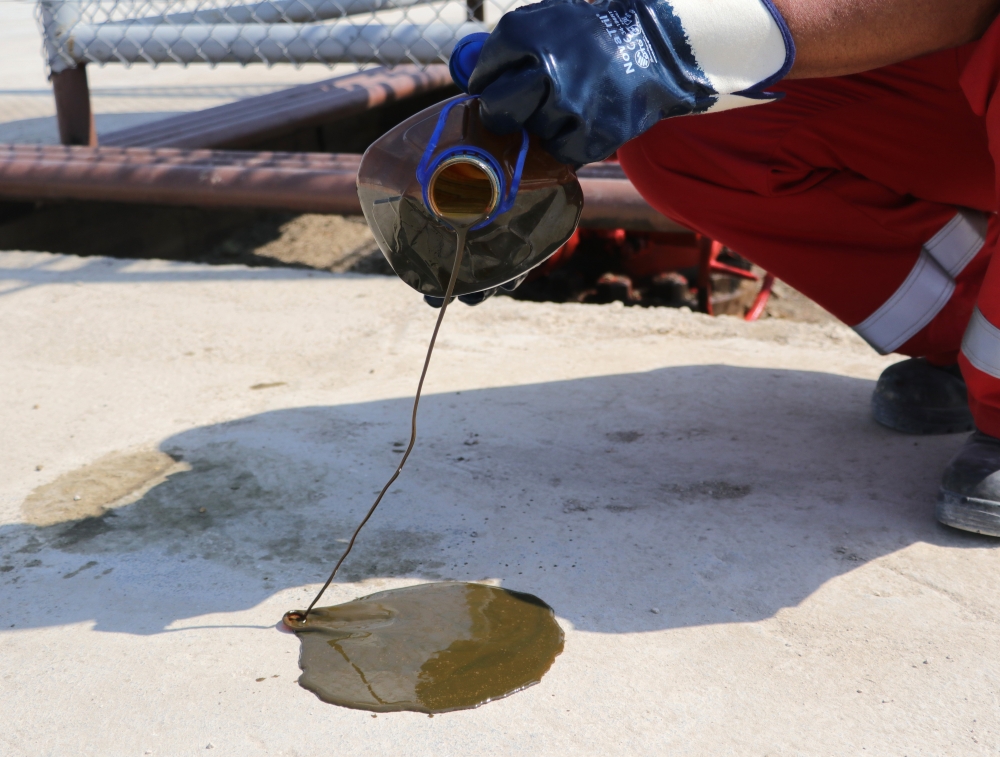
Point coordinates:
[[916, 397], [970, 488]]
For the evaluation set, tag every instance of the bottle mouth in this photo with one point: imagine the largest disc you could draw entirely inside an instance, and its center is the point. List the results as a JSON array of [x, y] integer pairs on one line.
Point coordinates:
[[464, 188]]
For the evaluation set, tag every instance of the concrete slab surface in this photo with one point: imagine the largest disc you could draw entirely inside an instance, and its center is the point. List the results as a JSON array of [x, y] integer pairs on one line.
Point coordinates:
[[744, 563]]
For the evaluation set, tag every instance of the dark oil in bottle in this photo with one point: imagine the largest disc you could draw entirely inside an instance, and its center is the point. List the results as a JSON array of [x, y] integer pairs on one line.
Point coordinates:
[[411, 235]]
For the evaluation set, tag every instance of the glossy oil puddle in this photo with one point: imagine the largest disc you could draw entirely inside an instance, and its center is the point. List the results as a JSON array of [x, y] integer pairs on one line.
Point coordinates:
[[428, 648]]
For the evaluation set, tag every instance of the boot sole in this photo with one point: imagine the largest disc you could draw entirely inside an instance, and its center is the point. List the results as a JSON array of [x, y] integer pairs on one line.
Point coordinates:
[[921, 420], [979, 516]]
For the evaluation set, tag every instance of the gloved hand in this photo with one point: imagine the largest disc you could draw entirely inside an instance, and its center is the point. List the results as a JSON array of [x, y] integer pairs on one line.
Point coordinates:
[[587, 78]]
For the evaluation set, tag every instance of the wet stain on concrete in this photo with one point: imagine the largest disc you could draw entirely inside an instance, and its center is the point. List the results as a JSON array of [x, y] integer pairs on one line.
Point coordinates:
[[575, 506], [78, 571], [393, 552], [246, 507], [622, 508], [625, 437], [111, 481], [709, 490]]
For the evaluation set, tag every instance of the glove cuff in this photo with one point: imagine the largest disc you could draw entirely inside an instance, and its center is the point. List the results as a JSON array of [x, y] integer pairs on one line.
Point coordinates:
[[740, 47]]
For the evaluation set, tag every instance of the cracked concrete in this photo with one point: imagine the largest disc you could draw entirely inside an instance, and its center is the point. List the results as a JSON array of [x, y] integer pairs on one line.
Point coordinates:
[[742, 560]]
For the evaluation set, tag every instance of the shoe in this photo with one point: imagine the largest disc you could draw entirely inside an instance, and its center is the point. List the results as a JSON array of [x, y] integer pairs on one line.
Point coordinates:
[[916, 397], [970, 488]]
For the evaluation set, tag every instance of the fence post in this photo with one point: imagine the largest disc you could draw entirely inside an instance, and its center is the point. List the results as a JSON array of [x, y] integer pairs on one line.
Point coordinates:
[[69, 77], [73, 113]]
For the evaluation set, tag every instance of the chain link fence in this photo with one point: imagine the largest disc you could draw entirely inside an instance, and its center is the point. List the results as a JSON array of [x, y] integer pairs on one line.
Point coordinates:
[[358, 32]]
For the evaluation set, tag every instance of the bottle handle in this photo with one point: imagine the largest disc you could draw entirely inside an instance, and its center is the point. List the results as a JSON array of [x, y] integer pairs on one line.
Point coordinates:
[[429, 162]]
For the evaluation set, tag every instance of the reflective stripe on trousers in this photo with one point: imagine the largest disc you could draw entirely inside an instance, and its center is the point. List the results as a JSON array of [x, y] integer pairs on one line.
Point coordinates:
[[929, 285], [981, 344]]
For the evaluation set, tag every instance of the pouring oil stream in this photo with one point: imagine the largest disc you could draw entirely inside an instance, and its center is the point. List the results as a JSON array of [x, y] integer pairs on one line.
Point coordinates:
[[299, 618]]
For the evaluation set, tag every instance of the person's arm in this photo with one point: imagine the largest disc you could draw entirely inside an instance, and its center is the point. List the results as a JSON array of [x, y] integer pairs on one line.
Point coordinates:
[[587, 76], [839, 37]]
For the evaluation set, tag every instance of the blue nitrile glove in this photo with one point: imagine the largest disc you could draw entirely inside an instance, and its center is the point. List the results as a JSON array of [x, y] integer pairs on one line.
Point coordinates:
[[587, 78]]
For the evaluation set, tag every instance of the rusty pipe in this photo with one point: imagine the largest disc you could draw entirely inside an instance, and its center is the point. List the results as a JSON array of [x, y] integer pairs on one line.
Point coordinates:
[[299, 182], [302, 182], [610, 201], [617, 204], [244, 122]]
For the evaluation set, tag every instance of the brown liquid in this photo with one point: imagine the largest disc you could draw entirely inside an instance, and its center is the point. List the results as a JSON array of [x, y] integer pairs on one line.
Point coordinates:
[[459, 250], [427, 648], [462, 193]]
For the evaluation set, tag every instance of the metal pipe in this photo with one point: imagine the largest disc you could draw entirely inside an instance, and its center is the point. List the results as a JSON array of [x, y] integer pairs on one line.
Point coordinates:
[[274, 12], [256, 43], [300, 182], [58, 19], [612, 202], [244, 122], [476, 10], [617, 204]]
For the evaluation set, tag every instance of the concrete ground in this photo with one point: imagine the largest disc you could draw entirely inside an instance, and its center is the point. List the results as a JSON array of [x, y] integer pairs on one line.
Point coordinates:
[[743, 561]]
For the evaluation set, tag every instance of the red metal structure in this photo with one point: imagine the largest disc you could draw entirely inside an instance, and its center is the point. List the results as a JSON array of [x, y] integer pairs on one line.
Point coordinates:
[[642, 253], [709, 265]]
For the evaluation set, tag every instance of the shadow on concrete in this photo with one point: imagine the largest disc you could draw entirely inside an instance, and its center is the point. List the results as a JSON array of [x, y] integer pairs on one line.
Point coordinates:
[[711, 493], [88, 229]]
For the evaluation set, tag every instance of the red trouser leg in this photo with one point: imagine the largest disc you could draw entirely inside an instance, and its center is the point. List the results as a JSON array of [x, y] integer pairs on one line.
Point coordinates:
[[980, 355], [868, 193], [873, 194]]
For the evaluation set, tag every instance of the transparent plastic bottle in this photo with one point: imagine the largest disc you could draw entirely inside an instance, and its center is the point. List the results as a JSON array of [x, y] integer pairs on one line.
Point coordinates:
[[442, 170]]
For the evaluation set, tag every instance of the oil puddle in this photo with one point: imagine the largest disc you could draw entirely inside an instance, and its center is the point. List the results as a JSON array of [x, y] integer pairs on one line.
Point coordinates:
[[428, 648]]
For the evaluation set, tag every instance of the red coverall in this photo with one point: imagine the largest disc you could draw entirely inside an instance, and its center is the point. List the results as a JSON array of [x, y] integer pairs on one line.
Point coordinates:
[[874, 194]]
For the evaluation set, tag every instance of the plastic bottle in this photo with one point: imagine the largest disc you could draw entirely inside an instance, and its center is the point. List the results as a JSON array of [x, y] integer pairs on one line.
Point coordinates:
[[442, 170]]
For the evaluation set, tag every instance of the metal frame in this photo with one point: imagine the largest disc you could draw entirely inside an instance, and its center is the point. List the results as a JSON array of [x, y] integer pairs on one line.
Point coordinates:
[[245, 44], [265, 32]]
